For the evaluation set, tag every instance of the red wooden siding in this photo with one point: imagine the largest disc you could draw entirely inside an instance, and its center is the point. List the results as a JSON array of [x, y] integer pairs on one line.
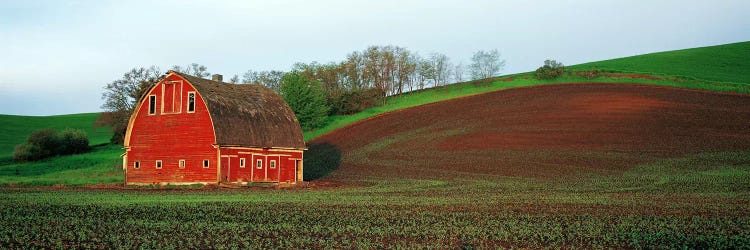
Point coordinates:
[[285, 170], [171, 138]]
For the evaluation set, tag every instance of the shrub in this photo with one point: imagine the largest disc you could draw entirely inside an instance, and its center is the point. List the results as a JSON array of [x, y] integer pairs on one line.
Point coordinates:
[[590, 74], [39, 145], [551, 70], [46, 143], [73, 141], [354, 101]]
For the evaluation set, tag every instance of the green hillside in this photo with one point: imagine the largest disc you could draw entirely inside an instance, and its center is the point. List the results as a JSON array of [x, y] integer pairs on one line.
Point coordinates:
[[16, 128], [723, 63], [98, 166]]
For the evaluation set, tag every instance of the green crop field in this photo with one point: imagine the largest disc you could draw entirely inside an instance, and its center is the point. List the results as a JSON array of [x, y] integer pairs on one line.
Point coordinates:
[[647, 207]]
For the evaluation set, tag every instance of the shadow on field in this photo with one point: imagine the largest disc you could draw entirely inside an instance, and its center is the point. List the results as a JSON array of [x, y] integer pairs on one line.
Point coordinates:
[[320, 160]]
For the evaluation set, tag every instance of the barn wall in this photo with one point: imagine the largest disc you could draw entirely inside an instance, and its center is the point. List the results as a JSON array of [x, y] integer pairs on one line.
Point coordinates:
[[171, 138], [284, 172]]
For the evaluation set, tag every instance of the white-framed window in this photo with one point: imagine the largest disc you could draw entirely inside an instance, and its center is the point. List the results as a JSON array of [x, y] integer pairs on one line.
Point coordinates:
[[242, 162], [191, 102], [137, 164], [259, 164], [205, 164], [272, 164], [158, 164], [181, 164], [151, 104]]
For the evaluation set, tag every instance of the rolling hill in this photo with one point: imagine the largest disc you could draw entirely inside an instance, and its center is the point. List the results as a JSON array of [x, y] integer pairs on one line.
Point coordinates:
[[556, 132], [97, 166], [17, 128], [722, 63]]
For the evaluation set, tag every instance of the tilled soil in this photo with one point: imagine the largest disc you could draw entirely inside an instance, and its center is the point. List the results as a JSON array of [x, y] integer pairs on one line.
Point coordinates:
[[543, 132]]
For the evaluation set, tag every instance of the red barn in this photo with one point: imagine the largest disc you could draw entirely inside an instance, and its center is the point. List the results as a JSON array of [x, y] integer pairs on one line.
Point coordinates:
[[188, 130]]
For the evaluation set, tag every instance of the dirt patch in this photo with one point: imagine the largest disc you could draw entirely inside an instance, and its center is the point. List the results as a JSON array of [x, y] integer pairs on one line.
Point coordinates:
[[634, 76], [543, 132]]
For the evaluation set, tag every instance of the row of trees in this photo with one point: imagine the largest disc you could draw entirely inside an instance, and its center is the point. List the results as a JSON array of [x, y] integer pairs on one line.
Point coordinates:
[[360, 81]]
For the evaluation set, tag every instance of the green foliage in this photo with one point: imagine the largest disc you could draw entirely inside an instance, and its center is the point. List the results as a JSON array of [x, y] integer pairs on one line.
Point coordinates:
[[73, 141], [550, 70], [46, 143], [306, 98], [41, 144]]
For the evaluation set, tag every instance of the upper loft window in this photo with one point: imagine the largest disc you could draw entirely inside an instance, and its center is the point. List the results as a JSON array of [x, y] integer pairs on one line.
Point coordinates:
[[171, 99], [151, 104], [191, 102]]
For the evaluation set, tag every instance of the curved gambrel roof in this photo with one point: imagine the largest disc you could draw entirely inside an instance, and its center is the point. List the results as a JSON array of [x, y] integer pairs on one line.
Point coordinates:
[[248, 114]]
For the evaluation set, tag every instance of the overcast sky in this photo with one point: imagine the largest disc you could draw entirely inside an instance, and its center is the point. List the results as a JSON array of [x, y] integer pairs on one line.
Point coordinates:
[[55, 56]]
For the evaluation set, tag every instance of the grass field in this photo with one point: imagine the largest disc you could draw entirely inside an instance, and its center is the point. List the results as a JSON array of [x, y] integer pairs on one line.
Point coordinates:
[[15, 129], [722, 63]]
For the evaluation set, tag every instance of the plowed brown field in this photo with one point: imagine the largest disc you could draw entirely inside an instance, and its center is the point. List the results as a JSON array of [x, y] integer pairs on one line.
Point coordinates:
[[544, 132]]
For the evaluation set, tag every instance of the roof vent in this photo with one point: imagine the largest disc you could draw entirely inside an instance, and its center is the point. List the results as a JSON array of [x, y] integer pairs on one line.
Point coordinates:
[[217, 77]]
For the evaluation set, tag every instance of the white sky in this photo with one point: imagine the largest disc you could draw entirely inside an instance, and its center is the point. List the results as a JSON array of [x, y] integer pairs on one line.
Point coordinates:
[[56, 56]]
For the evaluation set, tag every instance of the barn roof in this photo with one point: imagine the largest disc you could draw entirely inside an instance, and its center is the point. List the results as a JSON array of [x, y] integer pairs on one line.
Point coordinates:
[[248, 114]]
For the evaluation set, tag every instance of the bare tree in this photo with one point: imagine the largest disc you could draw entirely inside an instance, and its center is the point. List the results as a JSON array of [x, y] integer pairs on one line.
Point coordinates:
[[268, 78], [486, 64], [442, 68], [193, 69], [426, 73], [120, 97], [458, 73], [235, 79]]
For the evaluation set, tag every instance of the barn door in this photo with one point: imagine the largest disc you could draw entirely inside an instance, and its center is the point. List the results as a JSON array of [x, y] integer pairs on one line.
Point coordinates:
[[225, 169], [274, 168], [259, 168]]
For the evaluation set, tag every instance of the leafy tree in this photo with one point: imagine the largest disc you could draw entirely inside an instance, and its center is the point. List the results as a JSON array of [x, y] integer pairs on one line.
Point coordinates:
[[485, 64], [550, 70], [306, 98]]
